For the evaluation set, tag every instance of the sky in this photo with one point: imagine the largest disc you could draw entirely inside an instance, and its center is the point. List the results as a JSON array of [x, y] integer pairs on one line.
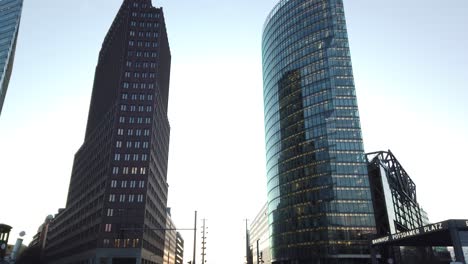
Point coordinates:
[[410, 65]]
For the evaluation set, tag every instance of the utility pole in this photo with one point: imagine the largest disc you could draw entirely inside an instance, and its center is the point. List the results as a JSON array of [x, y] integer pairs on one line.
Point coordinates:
[[248, 254], [258, 253], [203, 241], [194, 239]]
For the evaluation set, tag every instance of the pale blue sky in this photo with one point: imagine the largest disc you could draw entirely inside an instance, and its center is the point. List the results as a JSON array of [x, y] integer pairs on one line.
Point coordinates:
[[411, 72]]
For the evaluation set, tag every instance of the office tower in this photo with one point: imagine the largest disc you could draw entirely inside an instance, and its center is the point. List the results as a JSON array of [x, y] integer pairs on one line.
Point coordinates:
[[117, 198], [10, 15], [319, 199]]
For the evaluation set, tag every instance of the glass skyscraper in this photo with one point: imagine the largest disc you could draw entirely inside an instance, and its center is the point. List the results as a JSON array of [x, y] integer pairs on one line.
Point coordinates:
[[319, 199], [10, 15], [117, 198]]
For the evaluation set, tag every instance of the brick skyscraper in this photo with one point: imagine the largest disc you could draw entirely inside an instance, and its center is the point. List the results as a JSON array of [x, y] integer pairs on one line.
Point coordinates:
[[117, 196]]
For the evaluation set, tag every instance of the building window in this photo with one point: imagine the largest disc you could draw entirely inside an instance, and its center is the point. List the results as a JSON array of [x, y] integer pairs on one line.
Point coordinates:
[[106, 242], [130, 132], [129, 144], [137, 144], [145, 144], [126, 85], [118, 144], [122, 198], [122, 120], [117, 157], [131, 197], [140, 198], [143, 171], [113, 184], [134, 170], [141, 184], [112, 198], [110, 212], [125, 170], [144, 157], [115, 170], [135, 157], [132, 184], [108, 228], [127, 157], [120, 132], [123, 184]]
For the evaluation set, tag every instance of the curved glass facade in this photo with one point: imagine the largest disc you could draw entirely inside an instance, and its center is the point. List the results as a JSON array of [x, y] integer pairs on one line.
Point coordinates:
[[10, 14], [319, 201]]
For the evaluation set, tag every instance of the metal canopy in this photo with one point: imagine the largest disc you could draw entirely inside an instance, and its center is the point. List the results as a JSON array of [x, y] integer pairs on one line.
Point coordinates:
[[447, 233]]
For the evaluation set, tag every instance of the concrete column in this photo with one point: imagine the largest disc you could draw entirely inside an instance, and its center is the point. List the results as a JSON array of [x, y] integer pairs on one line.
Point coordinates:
[[374, 255], [457, 245]]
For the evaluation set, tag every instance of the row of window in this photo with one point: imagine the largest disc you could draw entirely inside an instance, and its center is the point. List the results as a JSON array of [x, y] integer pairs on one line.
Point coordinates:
[[128, 170], [143, 86], [130, 144], [140, 44], [124, 243], [145, 54], [127, 157], [139, 64], [131, 184], [134, 96], [143, 14], [138, 132], [143, 34], [133, 108], [146, 75], [131, 120], [123, 198]]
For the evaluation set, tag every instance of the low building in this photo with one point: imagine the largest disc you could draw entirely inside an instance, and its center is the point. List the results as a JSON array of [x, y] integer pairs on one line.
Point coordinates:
[[179, 254], [260, 237], [40, 238], [173, 243]]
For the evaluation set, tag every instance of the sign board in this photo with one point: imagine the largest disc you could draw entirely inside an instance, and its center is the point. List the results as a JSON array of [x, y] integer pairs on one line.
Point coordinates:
[[415, 232]]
